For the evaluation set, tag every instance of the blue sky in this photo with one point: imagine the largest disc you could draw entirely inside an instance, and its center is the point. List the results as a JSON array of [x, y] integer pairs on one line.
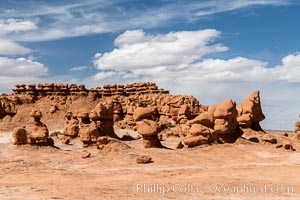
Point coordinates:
[[214, 49]]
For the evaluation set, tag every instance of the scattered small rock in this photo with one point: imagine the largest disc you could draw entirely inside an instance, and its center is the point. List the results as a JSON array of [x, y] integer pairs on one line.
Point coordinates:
[[285, 134], [269, 138], [254, 139], [143, 159], [86, 154]]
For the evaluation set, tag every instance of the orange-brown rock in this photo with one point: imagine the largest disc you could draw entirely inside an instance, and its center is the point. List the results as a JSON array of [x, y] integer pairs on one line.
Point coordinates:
[[54, 99], [143, 159], [250, 112], [37, 135], [71, 127], [149, 130], [205, 118], [19, 136], [192, 141], [197, 135], [142, 113]]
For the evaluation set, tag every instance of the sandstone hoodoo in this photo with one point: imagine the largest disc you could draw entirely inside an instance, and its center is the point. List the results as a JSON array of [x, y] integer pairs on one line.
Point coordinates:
[[250, 112], [147, 127], [217, 124], [71, 125], [154, 113], [38, 134], [120, 101]]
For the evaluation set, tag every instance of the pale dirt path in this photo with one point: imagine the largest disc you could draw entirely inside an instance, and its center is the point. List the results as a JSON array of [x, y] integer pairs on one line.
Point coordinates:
[[198, 173]]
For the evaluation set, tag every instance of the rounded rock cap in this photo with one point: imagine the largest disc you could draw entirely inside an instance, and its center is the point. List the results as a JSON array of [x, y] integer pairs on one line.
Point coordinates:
[[36, 114], [83, 115]]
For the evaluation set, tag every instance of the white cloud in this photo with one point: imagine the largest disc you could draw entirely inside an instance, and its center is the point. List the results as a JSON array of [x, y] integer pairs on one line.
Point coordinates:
[[290, 68], [12, 48], [21, 67], [20, 70], [104, 75], [179, 55], [16, 25], [138, 51], [78, 68]]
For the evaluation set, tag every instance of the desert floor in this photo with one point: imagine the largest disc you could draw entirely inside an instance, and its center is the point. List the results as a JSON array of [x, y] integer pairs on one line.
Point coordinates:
[[230, 171]]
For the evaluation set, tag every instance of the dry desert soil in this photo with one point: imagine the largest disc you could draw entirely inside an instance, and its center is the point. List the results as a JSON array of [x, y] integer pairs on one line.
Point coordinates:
[[230, 171]]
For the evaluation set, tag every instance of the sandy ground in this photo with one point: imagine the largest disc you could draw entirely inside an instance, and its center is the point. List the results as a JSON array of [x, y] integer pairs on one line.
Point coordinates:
[[230, 171]]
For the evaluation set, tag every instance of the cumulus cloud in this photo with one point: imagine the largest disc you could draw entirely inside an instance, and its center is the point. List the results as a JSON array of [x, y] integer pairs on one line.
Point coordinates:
[[138, 51], [289, 70], [21, 67], [12, 48], [20, 70], [179, 55], [16, 25]]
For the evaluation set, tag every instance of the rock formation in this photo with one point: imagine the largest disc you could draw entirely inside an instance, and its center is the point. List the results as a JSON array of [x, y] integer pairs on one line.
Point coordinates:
[[54, 100], [89, 131], [37, 135], [148, 128], [217, 124], [250, 112], [71, 125]]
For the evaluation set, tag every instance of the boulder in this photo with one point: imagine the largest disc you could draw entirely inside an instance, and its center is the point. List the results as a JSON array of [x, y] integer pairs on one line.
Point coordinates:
[[143, 159], [19, 136], [250, 112], [269, 138], [192, 141], [226, 109], [147, 127], [198, 129], [142, 113]]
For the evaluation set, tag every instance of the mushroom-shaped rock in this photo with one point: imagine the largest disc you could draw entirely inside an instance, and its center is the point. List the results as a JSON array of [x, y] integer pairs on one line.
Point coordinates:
[[149, 131], [36, 114], [147, 127], [39, 134]]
